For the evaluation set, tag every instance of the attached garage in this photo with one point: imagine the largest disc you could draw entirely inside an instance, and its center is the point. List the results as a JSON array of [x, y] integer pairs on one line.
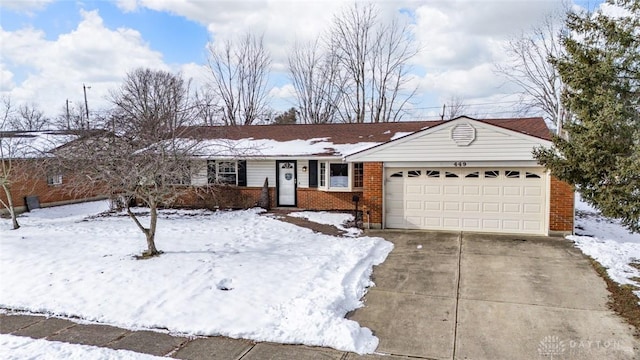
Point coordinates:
[[468, 175], [511, 200]]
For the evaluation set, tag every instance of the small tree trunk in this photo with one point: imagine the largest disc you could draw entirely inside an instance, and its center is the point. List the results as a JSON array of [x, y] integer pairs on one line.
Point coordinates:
[[151, 232], [11, 207]]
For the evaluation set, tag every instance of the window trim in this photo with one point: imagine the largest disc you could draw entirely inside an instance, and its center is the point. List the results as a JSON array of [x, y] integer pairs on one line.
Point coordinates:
[[54, 179], [217, 163], [324, 176]]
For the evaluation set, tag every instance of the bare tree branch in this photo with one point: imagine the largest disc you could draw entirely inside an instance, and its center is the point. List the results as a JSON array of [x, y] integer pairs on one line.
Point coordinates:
[[239, 74]]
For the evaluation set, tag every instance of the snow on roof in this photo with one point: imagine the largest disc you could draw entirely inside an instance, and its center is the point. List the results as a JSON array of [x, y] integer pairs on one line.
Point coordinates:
[[272, 148], [32, 144]]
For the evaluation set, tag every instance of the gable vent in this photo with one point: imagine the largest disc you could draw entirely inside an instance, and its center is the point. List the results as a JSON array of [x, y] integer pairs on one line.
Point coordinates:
[[463, 134]]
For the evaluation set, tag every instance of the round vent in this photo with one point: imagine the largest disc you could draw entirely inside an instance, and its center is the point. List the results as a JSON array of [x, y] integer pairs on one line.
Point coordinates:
[[463, 134]]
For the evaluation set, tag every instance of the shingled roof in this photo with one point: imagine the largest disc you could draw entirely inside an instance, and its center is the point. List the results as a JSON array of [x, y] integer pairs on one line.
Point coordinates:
[[326, 139], [351, 133]]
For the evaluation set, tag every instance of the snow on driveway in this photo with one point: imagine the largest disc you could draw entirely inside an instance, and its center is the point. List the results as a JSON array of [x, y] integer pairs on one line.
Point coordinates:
[[24, 348], [231, 273], [608, 242]]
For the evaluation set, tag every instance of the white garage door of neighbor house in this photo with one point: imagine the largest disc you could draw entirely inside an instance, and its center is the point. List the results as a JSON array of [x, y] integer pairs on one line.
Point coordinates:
[[507, 200]]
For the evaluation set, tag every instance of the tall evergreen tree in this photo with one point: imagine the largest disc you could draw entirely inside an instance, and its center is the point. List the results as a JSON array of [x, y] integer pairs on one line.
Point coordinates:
[[600, 153]]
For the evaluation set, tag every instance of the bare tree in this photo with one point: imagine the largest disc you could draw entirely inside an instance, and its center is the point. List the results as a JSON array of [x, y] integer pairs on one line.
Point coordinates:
[[530, 68], [72, 116], [317, 82], [239, 73], [18, 163], [454, 108], [29, 117], [144, 159], [374, 59]]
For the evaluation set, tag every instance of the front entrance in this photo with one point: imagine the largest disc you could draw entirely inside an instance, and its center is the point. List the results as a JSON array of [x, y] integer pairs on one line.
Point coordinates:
[[286, 185]]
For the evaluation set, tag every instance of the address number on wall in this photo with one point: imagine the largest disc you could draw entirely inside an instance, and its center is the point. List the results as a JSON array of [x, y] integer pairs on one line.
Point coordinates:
[[460, 163]]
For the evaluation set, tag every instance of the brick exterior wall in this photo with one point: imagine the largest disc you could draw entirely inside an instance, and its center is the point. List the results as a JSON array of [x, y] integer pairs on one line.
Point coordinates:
[[239, 197], [372, 194], [561, 209], [33, 182]]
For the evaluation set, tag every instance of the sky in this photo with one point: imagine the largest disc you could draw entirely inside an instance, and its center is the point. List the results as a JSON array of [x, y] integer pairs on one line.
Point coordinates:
[[52, 51]]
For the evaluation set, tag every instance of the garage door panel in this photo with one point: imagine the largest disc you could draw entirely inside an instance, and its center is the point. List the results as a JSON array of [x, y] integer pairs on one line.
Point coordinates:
[[497, 200], [471, 190], [432, 205], [531, 208], [451, 189], [511, 190], [451, 206], [414, 205], [532, 190], [491, 207], [511, 208], [491, 190]]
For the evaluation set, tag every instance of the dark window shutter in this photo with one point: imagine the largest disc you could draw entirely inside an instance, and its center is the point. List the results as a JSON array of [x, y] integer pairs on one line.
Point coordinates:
[[242, 173], [313, 173]]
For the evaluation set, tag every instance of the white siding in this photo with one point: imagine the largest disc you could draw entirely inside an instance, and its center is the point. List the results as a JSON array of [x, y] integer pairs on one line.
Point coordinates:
[[258, 170], [303, 176], [199, 172], [491, 144]]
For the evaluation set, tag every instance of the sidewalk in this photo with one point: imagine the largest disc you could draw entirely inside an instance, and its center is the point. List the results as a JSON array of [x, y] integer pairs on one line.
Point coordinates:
[[161, 344]]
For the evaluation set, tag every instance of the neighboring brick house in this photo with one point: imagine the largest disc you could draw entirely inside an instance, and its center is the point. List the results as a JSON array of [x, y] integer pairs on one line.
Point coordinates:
[[24, 154], [462, 174]]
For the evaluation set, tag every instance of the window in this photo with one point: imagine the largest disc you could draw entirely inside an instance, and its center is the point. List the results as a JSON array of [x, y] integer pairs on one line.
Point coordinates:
[[450, 175], [491, 174], [398, 174], [414, 173], [54, 179], [512, 174], [358, 175], [474, 174], [222, 172], [323, 174], [529, 175], [339, 175], [433, 173]]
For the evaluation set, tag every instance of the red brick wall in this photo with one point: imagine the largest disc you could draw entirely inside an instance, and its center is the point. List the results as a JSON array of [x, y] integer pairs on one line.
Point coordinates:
[[314, 199], [29, 180], [562, 202], [372, 195]]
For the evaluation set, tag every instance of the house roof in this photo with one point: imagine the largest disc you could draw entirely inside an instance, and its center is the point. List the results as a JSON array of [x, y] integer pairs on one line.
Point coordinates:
[[326, 139], [33, 144]]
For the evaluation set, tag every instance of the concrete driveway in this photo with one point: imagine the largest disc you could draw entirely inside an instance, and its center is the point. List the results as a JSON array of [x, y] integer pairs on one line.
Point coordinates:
[[475, 296]]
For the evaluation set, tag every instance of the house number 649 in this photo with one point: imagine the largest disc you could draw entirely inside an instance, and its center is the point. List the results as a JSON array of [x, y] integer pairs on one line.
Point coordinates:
[[460, 163]]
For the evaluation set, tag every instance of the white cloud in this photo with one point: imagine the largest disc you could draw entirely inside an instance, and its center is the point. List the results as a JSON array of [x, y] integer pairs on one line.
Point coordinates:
[[25, 5], [90, 54], [286, 91]]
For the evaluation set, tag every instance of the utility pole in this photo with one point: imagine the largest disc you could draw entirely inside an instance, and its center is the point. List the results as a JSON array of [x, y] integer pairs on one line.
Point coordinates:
[[86, 104], [68, 122]]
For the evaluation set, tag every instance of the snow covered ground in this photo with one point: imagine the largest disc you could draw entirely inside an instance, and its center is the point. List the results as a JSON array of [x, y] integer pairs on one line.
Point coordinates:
[[232, 273], [607, 242], [24, 348], [328, 218]]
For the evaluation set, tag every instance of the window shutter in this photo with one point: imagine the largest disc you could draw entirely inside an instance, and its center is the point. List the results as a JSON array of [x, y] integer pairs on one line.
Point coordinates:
[[242, 173], [313, 173]]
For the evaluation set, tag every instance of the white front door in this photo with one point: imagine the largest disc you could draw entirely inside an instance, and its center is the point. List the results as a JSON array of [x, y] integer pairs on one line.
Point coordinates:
[[286, 183]]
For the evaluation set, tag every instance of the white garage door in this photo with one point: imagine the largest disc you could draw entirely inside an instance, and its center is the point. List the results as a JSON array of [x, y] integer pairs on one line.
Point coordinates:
[[509, 200]]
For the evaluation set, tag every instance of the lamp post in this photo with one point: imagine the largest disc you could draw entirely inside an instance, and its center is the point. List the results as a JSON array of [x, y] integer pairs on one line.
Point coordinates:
[[86, 104]]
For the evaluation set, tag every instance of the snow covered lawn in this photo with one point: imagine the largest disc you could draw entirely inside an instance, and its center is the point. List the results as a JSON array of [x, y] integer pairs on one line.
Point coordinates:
[[22, 348], [608, 242], [232, 273]]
